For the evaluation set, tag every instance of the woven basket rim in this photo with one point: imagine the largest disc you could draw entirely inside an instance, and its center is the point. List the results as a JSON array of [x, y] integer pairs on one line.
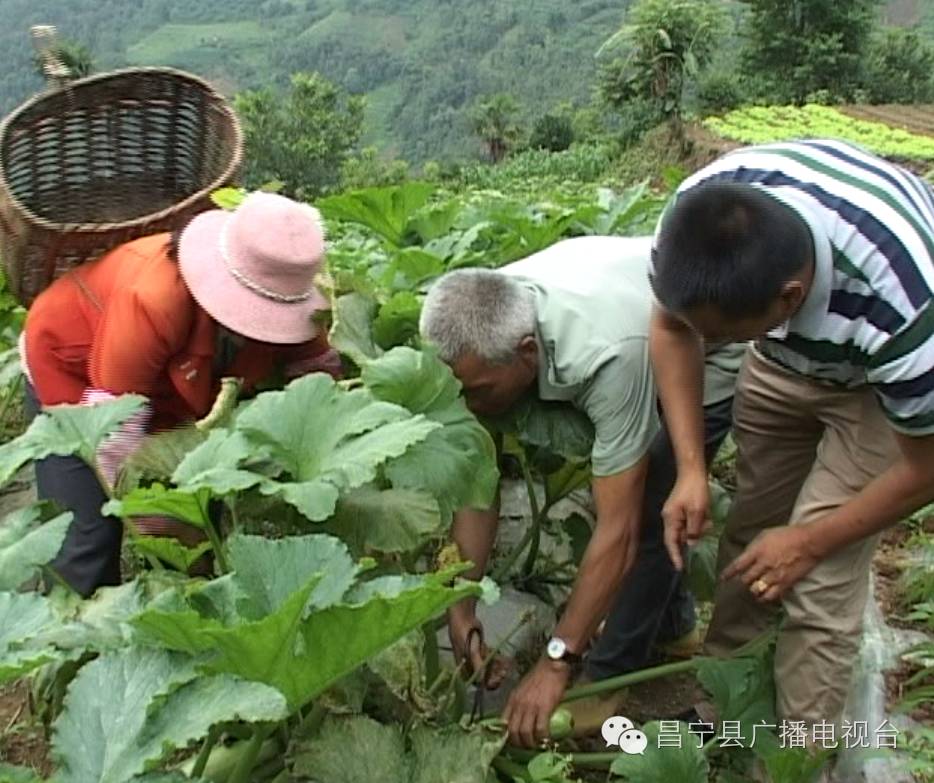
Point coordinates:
[[225, 178]]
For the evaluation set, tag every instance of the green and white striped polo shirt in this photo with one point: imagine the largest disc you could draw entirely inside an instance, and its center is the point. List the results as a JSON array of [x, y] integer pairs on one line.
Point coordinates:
[[869, 317]]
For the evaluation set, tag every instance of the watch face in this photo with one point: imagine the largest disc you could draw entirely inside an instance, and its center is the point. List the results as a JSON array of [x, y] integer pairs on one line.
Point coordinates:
[[556, 648]]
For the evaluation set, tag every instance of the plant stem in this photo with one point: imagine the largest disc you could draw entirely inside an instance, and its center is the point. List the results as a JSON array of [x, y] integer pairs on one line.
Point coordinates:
[[220, 559], [511, 769], [234, 515], [537, 513], [631, 678], [502, 570], [432, 659], [241, 773], [532, 535], [313, 720], [205, 753], [12, 391], [525, 617], [593, 760]]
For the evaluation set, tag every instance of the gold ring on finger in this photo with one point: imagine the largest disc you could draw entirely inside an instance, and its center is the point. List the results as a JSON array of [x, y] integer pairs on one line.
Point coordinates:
[[760, 586]]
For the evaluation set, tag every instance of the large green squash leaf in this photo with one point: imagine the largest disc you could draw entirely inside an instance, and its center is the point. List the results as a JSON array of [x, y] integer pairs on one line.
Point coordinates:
[[158, 456], [790, 765], [313, 429], [702, 567], [685, 764], [215, 464], [319, 439], [433, 755], [392, 520], [102, 622], [352, 330], [397, 320], [614, 212], [457, 464], [385, 211], [303, 643], [12, 774], [329, 756], [170, 551], [741, 688], [27, 541], [702, 557], [452, 755], [555, 427], [67, 429], [23, 617], [411, 266], [401, 667], [127, 710], [190, 507], [269, 571]]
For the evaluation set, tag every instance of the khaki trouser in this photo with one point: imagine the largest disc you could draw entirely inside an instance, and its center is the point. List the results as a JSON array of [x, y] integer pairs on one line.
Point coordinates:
[[803, 450]]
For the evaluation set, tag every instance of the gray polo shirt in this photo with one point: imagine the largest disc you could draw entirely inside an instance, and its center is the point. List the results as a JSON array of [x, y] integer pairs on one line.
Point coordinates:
[[594, 303]]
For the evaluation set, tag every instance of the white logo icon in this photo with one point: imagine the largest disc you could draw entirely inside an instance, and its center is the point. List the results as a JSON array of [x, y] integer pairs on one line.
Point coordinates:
[[614, 728], [633, 742]]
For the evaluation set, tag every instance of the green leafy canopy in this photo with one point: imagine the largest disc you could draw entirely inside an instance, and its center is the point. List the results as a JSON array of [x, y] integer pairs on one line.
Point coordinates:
[[29, 538], [293, 614], [67, 429], [315, 440]]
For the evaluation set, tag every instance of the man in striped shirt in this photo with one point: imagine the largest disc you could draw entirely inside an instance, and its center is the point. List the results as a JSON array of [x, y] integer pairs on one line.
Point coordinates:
[[822, 253]]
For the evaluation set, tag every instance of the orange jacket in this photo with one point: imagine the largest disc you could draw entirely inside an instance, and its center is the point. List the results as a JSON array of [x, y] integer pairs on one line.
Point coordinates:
[[127, 323]]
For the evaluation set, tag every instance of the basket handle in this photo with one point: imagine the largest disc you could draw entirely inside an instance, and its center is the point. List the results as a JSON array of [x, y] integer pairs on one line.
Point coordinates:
[[45, 42]]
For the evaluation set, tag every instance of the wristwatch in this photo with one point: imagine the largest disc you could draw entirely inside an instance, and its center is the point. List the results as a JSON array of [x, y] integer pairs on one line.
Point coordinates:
[[557, 650]]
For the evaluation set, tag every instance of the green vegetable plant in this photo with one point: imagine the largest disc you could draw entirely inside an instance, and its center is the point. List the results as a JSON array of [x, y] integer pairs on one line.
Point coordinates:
[[357, 483], [325, 506], [764, 124]]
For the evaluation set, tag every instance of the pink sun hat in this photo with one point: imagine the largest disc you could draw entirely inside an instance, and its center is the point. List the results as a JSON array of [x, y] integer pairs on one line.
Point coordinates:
[[253, 269]]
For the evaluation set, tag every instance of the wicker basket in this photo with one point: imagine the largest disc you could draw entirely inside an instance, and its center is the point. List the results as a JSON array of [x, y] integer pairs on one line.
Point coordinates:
[[106, 159]]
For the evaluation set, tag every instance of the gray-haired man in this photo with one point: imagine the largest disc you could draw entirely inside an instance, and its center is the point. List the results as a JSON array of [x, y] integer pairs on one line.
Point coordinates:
[[572, 324]]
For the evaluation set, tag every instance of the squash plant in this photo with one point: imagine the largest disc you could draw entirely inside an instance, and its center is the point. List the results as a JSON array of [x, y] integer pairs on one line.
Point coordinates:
[[323, 506], [177, 661]]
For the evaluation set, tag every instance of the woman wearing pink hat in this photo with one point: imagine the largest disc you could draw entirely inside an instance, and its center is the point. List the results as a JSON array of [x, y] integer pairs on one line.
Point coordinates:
[[167, 316]]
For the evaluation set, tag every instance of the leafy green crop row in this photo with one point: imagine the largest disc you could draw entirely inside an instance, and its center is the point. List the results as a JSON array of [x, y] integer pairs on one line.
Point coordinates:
[[764, 124], [311, 651]]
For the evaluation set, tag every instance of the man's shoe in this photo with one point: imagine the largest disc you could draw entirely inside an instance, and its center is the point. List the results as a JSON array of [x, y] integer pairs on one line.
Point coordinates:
[[686, 646]]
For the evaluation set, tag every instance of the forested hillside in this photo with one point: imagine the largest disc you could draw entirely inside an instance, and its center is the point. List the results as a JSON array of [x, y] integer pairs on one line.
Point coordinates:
[[421, 62]]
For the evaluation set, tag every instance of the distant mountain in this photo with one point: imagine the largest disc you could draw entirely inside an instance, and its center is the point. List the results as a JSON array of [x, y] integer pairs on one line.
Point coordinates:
[[421, 63]]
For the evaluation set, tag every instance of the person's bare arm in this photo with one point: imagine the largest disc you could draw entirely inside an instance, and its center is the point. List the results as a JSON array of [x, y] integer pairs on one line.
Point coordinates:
[[474, 532], [677, 355], [609, 555], [608, 558]]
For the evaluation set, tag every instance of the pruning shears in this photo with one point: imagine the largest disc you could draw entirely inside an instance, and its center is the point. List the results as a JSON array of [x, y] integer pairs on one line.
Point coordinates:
[[475, 635]]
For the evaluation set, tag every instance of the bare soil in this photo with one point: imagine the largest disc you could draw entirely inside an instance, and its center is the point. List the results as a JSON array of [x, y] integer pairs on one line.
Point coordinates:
[[889, 563], [915, 118], [22, 739]]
